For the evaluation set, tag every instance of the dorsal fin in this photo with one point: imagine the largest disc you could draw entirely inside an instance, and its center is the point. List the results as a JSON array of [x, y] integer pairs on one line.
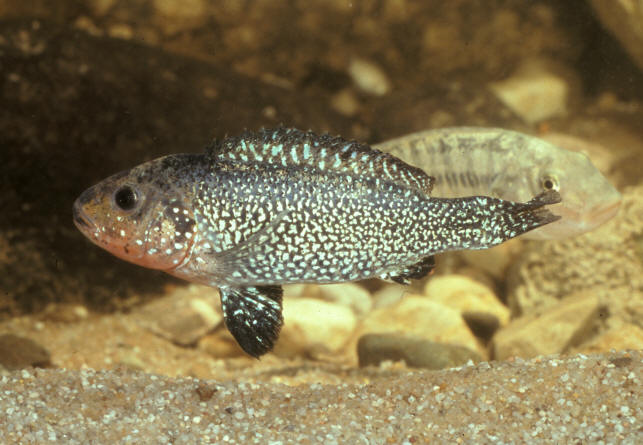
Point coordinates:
[[291, 147]]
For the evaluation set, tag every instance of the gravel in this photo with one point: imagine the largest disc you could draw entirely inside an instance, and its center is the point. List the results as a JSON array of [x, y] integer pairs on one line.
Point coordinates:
[[578, 399]]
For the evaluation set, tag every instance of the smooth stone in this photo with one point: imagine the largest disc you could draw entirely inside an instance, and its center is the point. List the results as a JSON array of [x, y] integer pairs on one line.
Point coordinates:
[[561, 327], [65, 312], [390, 294], [482, 324], [534, 92], [369, 77], [467, 296], [20, 352], [184, 316], [350, 295], [423, 318], [373, 349], [626, 336], [313, 326], [221, 344]]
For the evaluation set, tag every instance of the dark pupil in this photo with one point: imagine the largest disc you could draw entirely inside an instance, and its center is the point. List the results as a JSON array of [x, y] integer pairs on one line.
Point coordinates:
[[125, 198], [549, 184]]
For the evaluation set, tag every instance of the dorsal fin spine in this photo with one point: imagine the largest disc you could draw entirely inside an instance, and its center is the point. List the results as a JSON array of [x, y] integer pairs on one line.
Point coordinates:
[[291, 147]]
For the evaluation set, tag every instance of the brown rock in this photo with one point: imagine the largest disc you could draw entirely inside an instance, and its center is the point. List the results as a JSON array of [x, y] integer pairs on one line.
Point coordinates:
[[20, 352], [373, 349], [422, 318], [467, 296], [313, 326], [184, 316], [627, 336], [556, 330], [351, 295]]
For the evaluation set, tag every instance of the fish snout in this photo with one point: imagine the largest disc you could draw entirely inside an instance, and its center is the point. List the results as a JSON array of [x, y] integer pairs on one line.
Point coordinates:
[[83, 222], [602, 213]]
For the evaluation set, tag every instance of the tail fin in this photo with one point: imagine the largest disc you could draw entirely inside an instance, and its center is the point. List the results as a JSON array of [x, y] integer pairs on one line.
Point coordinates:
[[510, 219]]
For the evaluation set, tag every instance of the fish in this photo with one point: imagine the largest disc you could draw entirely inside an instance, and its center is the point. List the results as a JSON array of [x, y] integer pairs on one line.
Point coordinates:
[[279, 206], [512, 166]]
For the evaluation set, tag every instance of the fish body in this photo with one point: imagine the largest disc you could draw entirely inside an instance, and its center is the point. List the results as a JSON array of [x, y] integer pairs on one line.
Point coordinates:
[[509, 165], [284, 206]]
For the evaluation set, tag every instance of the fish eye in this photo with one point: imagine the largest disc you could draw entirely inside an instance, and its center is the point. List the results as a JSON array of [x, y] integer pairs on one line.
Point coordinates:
[[549, 182], [125, 198]]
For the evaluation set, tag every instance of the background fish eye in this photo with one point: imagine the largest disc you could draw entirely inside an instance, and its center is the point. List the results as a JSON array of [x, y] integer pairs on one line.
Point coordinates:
[[125, 198], [550, 182]]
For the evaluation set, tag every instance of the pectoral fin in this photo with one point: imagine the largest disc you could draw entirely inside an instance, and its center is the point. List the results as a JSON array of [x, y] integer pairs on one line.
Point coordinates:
[[253, 316], [414, 271]]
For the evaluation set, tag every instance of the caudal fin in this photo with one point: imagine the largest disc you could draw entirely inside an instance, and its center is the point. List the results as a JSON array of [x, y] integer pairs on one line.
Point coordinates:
[[513, 219]]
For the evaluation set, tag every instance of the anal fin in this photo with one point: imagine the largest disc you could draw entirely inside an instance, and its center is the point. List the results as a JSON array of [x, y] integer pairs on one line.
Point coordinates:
[[414, 271], [253, 316]]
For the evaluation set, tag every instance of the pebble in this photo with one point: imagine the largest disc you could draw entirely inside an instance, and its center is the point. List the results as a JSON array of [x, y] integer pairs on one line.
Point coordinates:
[[183, 316], [350, 295], [20, 352], [221, 344], [556, 330], [390, 294], [468, 297], [534, 92], [626, 336], [65, 312], [369, 77], [312, 326], [373, 349], [422, 318]]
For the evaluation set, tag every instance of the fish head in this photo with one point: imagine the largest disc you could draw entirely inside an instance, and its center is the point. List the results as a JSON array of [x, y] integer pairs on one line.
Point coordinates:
[[139, 215], [588, 200]]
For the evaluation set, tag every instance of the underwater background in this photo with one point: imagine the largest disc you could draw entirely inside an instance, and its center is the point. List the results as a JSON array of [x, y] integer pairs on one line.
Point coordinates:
[[89, 88]]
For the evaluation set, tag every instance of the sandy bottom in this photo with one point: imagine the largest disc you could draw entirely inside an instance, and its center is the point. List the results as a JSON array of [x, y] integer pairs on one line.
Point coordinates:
[[578, 399]]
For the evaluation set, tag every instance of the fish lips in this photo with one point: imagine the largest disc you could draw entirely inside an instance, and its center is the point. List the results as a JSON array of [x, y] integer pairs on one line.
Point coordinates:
[[81, 220]]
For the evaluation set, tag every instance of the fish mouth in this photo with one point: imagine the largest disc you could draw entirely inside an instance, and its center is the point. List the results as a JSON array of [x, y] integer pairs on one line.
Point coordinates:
[[81, 220], [601, 214]]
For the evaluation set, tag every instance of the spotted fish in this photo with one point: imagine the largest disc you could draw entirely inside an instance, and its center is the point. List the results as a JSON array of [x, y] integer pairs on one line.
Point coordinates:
[[284, 206], [514, 166]]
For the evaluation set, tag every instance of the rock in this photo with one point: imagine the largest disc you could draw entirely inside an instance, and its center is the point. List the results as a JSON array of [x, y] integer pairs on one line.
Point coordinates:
[[369, 77], [534, 92], [559, 328], [184, 316], [221, 344], [389, 295], [482, 324], [423, 318], [350, 295], [607, 262], [372, 349], [468, 297], [345, 102], [313, 326], [65, 312], [496, 261], [624, 19], [626, 336], [20, 352]]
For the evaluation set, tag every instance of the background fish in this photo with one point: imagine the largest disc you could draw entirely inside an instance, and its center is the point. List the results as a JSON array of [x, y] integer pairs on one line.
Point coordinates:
[[283, 206], [467, 161]]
